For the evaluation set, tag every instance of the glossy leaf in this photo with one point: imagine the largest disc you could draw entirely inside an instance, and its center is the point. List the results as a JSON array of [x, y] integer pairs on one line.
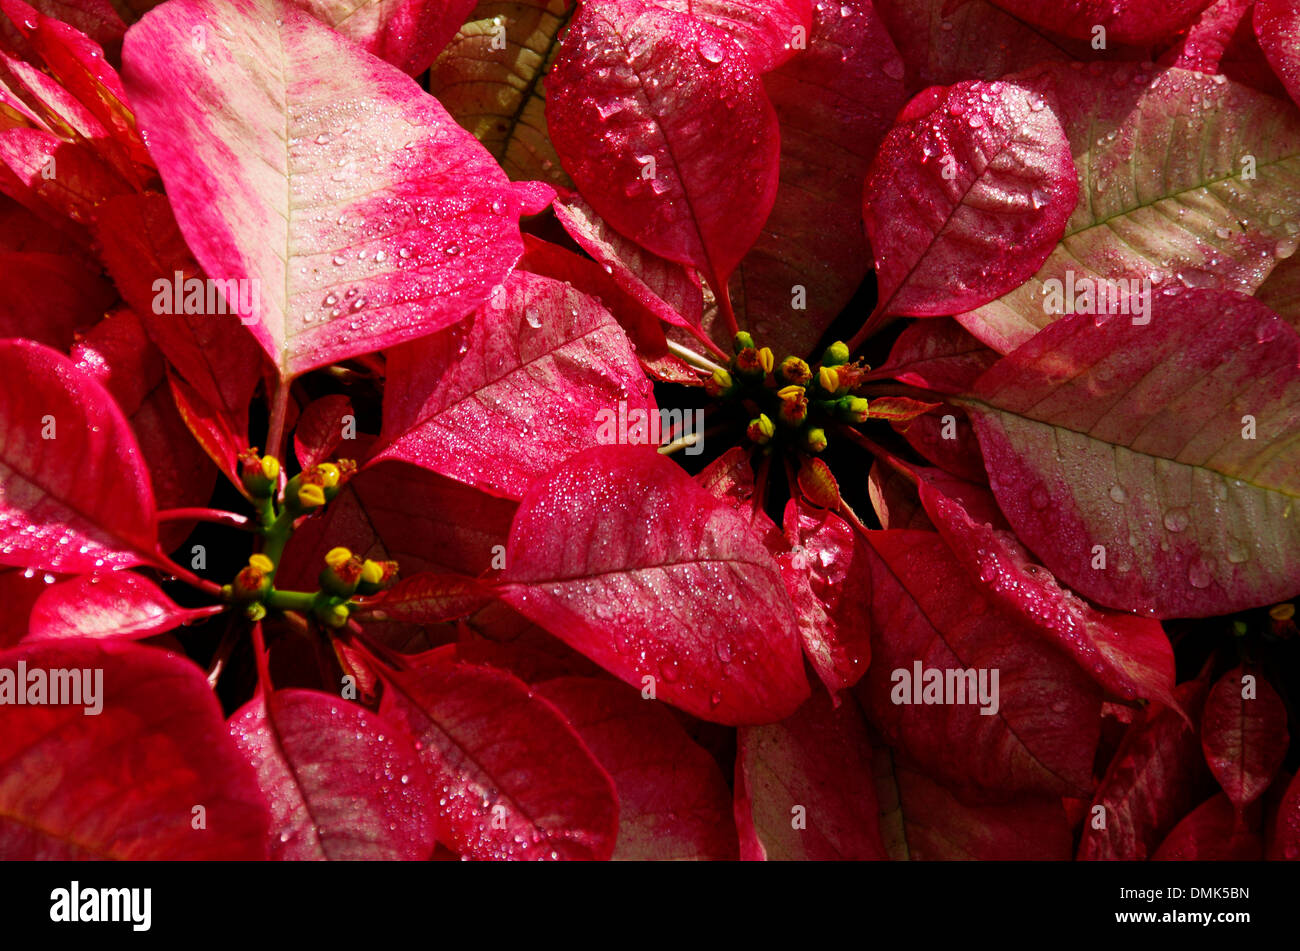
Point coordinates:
[[49, 297], [342, 782], [968, 195], [144, 251], [1186, 182], [267, 137], [513, 778], [835, 101], [590, 560], [74, 491], [938, 355], [804, 787], [1244, 734], [407, 33], [1285, 841], [1131, 22], [1212, 832], [1222, 40], [767, 30], [156, 749], [1155, 779], [664, 287], [934, 38], [110, 604], [824, 571], [638, 316], [1043, 725], [322, 429], [491, 78], [1277, 25], [674, 803], [428, 598], [499, 401], [1129, 656], [1137, 439], [894, 499], [397, 511], [922, 821], [659, 84]]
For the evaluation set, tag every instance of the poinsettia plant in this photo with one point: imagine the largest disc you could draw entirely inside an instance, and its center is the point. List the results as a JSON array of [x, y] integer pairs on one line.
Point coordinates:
[[649, 429]]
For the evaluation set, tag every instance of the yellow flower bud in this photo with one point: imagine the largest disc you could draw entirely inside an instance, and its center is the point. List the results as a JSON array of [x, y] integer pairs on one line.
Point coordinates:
[[761, 430], [337, 557], [311, 497], [828, 379], [262, 563]]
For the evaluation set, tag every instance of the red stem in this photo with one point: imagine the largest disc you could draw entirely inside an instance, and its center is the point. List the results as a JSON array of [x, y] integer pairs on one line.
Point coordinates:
[[724, 306], [279, 411], [218, 516], [259, 653], [163, 563]]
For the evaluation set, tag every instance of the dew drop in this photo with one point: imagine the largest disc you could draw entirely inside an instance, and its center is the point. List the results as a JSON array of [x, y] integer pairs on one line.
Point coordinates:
[[711, 51], [533, 316], [1198, 574], [1118, 495], [1176, 520]]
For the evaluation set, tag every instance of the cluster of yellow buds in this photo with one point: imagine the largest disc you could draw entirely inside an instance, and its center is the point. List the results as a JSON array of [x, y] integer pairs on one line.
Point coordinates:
[[312, 488], [791, 396]]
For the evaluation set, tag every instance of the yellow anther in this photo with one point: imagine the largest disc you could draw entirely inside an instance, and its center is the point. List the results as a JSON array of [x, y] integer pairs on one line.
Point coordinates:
[[829, 379], [311, 497], [337, 557]]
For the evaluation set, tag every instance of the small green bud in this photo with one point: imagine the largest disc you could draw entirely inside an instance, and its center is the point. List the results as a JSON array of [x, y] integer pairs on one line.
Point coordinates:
[[852, 409], [837, 354]]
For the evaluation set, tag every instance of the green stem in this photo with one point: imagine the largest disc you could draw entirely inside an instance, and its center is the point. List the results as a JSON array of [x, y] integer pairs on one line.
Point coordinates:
[[277, 536], [292, 600]]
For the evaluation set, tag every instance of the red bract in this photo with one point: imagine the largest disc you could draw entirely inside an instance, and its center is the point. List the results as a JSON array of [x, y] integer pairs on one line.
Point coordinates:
[[74, 500], [156, 750], [581, 565], [661, 86], [966, 197], [341, 223], [1244, 734], [566, 525], [1114, 444]]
